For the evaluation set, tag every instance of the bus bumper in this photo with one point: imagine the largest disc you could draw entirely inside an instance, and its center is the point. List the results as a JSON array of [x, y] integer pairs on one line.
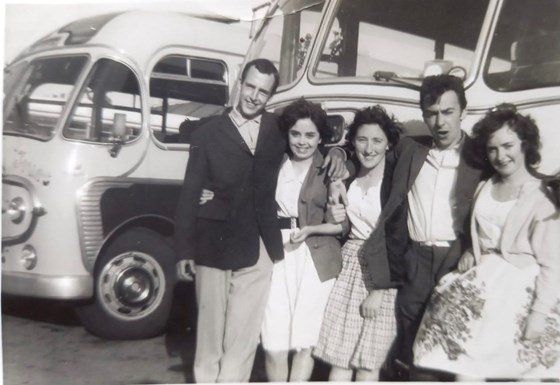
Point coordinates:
[[47, 286]]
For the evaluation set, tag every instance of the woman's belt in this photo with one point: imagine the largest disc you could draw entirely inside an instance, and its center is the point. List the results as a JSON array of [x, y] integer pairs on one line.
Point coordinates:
[[288, 223]]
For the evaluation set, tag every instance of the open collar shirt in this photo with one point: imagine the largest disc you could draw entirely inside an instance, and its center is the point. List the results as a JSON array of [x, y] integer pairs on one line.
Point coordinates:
[[432, 199], [248, 128]]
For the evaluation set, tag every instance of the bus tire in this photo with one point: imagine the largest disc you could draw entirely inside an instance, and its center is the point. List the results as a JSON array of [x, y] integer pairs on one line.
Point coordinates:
[[134, 281]]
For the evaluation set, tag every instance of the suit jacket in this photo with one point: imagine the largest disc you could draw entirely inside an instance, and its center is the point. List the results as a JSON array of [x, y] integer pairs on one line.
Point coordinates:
[[404, 164], [313, 196], [224, 232], [531, 234]]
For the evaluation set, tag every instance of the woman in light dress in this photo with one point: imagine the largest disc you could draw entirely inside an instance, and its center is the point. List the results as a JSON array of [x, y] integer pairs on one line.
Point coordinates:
[[359, 325], [302, 281], [498, 315]]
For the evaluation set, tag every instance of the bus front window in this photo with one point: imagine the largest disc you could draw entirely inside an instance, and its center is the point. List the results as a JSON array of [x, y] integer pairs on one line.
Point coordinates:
[[287, 36], [36, 100], [404, 37], [525, 50]]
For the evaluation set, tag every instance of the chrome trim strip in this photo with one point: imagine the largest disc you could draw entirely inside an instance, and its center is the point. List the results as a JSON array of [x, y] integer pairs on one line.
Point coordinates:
[[525, 104], [26, 184], [47, 286], [90, 226]]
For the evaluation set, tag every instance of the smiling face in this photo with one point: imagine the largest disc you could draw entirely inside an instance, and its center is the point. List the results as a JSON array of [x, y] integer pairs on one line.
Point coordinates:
[[444, 120], [505, 152], [370, 144], [255, 91], [303, 139]]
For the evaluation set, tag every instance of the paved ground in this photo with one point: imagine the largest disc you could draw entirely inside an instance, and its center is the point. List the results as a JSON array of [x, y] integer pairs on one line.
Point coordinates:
[[44, 343]]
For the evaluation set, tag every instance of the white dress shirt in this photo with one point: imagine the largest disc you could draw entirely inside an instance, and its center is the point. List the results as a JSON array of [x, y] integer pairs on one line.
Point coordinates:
[[431, 200]]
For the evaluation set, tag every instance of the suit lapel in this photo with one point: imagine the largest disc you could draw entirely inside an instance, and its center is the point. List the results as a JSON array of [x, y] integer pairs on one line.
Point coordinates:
[[264, 129], [307, 191], [418, 159], [405, 171], [231, 132]]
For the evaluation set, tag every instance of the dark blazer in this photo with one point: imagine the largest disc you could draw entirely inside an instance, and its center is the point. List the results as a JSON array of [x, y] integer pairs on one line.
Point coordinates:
[[391, 236], [224, 232], [375, 247], [312, 204]]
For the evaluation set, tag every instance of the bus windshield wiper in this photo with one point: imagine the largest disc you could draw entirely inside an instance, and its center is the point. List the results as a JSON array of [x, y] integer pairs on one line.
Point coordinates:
[[391, 77]]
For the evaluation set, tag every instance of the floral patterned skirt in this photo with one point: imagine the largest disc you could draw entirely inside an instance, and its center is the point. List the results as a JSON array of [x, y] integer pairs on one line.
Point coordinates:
[[474, 323]]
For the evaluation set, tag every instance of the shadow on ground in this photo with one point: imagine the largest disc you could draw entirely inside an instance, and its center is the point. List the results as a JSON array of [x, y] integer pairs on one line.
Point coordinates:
[[181, 338]]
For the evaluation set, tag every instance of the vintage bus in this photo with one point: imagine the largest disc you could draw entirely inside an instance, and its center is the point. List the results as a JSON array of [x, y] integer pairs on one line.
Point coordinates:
[[93, 160]]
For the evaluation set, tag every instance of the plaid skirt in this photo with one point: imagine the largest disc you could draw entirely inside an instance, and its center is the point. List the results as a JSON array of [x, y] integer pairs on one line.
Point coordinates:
[[347, 340]]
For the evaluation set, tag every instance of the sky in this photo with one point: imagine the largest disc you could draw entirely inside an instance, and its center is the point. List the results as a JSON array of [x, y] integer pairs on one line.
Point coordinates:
[[26, 21]]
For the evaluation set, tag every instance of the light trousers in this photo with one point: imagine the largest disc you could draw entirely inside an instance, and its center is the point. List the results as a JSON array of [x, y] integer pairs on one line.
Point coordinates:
[[231, 306]]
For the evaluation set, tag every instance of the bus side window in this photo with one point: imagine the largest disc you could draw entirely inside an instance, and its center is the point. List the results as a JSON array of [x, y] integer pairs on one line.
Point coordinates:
[[184, 90]]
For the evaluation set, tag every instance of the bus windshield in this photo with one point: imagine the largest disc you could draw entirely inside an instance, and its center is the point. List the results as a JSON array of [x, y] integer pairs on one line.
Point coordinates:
[[525, 49], [37, 93], [405, 38], [287, 35]]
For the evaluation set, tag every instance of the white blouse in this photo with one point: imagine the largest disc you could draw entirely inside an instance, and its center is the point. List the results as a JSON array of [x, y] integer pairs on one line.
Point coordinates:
[[288, 189], [491, 216], [364, 208]]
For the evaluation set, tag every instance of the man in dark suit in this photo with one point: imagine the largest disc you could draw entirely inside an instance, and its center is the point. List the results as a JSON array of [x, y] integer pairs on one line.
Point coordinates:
[[433, 182], [234, 237]]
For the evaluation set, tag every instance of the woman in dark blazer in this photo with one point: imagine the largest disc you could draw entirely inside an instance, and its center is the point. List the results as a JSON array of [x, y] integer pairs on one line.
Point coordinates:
[[302, 281]]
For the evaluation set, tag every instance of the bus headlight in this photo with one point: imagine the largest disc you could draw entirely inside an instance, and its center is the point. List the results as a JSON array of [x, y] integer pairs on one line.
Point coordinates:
[[16, 210], [29, 257]]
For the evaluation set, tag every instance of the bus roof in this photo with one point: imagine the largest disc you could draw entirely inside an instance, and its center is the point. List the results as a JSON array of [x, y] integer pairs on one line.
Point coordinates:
[[141, 33]]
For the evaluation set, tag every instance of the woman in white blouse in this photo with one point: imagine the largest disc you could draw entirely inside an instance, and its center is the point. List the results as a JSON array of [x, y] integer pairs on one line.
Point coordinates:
[[302, 281], [359, 325]]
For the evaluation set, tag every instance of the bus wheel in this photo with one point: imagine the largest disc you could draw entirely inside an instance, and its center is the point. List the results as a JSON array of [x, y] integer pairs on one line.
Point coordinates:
[[134, 281]]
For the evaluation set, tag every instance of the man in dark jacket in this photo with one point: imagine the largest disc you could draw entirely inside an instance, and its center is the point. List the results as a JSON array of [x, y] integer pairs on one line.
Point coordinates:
[[433, 182], [233, 238]]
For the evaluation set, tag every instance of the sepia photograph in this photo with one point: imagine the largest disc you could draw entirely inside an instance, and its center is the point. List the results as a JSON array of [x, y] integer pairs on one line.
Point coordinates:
[[203, 191]]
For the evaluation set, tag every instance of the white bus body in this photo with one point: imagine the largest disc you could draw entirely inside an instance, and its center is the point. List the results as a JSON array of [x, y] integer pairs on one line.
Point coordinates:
[[93, 160]]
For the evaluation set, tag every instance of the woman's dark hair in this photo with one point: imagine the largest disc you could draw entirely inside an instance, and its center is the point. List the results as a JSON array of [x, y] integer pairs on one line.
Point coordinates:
[[374, 115], [303, 109], [523, 125]]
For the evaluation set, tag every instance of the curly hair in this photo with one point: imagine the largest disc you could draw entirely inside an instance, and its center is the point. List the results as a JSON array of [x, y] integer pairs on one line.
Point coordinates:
[[374, 115], [523, 125], [303, 109]]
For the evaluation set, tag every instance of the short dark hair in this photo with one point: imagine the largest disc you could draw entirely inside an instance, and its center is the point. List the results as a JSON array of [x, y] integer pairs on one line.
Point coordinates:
[[434, 86], [374, 115], [523, 125], [264, 66], [304, 109]]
